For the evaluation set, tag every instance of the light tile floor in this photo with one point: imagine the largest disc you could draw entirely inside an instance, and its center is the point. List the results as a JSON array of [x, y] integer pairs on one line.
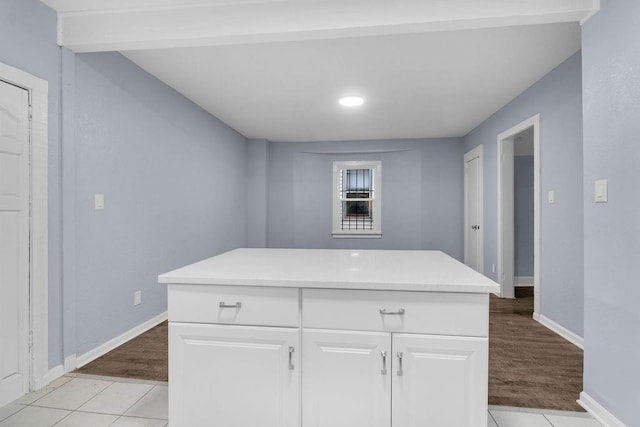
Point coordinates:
[[86, 401], [504, 416], [89, 401]]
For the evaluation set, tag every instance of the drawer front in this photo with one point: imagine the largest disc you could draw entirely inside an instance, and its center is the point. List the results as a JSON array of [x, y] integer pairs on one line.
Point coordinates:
[[234, 305], [409, 312]]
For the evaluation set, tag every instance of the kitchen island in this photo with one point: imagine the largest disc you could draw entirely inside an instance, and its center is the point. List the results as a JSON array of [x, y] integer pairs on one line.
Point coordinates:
[[328, 338]]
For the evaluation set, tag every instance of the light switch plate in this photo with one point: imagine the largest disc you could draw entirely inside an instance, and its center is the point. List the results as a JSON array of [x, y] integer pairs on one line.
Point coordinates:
[[552, 197], [601, 191], [98, 200]]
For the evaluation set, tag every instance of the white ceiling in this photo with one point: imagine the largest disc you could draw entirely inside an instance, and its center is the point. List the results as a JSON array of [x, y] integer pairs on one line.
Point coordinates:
[[429, 73], [417, 85]]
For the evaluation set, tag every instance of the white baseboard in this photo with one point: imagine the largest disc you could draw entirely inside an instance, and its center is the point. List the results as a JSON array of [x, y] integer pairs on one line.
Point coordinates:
[[523, 281], [53, 374], [70, 363], [568, 335], [119, 340], [598, 412]]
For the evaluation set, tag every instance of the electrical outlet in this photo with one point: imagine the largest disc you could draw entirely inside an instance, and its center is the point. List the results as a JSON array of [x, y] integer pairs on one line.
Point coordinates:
[[493, 268], [137, 297]]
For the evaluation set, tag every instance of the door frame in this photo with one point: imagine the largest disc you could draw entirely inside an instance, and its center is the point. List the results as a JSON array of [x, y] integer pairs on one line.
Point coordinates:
[[504, 138], [38, 226], [475, 152]]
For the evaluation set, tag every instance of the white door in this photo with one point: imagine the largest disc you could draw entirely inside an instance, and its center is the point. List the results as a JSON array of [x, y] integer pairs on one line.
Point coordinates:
[[346, 379], [14, 242], [439, 381], [473, 209], [233, 376]]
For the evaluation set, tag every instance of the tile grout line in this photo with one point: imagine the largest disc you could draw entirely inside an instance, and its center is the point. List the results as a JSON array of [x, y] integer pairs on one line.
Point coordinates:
[[65, 417], [65, 409], [26, 405], [141, 397], [11, 415], [118, 416], [493, 418], [71, 411], [548, 420], [133, 404]]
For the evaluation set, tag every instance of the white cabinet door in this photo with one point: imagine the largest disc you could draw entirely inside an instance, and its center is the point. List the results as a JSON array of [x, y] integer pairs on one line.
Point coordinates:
[[346, 378], [14, 242], [233, 376], [439, 381]]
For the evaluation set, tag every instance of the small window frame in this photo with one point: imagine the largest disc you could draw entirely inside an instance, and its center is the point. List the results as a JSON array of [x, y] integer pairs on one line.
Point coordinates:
[[338, 232]]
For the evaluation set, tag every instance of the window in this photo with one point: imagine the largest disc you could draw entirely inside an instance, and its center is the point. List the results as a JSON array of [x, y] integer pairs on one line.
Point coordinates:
[[357, 201]]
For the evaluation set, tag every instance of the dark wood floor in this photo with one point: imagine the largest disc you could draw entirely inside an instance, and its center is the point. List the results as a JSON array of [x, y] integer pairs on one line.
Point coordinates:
[[144, 357], [529, 366]]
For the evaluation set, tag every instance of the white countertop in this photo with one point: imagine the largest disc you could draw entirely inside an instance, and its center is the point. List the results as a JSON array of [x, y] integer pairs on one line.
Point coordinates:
[[428, 271]]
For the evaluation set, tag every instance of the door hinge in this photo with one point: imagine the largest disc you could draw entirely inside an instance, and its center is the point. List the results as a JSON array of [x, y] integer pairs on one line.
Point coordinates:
[[30, 341], [30, 113]]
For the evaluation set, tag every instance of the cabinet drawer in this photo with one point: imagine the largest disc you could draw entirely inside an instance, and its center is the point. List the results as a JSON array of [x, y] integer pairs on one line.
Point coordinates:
[[423, 313], [234, 305]]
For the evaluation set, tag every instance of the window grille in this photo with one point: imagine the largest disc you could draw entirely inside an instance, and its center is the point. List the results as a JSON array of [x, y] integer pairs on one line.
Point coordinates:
[[357, 199]]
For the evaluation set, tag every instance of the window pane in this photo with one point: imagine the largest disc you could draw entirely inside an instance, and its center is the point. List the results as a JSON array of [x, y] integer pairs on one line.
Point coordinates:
[[357, 179], [357, 209]]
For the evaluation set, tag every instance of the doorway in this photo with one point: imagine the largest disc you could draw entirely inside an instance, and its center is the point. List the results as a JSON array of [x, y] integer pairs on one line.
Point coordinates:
[[519, 209], [473, 210], [23, 233]]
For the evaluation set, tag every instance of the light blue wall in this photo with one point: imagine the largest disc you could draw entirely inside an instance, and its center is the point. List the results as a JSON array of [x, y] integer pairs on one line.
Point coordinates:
[[257, 192], [28, 42], [523, 215], [174, 180], [558, 99], [422, 194], [611, 69]]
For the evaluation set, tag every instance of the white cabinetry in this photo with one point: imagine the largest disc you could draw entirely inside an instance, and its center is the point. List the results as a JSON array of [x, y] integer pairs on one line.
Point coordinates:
[[393, 378], [256, 339], [346, 379], [229, 374], [443, 381]]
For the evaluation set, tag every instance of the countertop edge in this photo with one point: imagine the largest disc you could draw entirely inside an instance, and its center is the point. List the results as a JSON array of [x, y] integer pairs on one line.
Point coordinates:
[[412, 287]]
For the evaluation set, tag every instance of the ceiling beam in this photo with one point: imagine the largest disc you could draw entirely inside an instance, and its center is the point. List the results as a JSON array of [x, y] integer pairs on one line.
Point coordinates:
[[156, 24]]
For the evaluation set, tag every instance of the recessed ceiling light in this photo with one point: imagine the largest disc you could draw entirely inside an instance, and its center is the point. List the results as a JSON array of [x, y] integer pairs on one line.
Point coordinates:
[[351, 101]]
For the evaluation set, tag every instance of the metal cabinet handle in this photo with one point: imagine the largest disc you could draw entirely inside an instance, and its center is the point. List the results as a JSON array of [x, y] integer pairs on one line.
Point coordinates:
[[291, 350], [236, 305], [399, 312], [400, 355], [384, 362]]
